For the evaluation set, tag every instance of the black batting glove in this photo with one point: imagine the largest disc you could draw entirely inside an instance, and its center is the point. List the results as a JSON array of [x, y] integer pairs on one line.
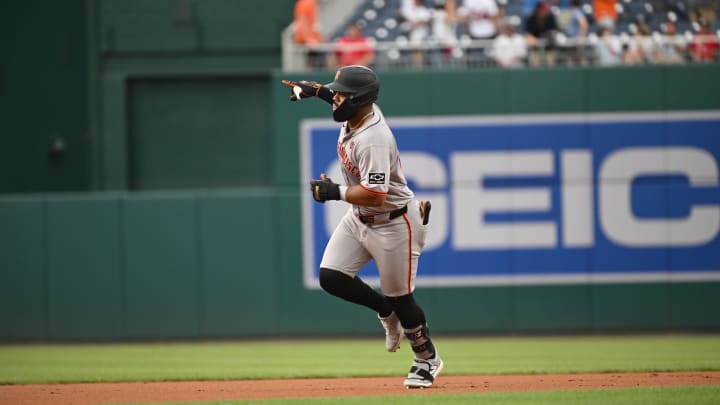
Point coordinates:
[[324, 189], [307, 90]]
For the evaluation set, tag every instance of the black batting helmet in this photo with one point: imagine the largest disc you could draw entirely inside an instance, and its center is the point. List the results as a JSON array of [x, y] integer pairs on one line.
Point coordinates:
[[359, 82]]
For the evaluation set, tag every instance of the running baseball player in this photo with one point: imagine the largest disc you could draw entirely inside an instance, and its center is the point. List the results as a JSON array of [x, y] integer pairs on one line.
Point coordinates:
[[384, 222]]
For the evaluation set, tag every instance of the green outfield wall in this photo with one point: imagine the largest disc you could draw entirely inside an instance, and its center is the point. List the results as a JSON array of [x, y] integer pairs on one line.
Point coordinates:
[[227, 264], [224, 261], [78, 79], [43, 97]]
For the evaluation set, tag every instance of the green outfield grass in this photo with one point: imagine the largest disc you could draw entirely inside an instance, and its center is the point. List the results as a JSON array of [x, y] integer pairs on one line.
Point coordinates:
[[22, 364]]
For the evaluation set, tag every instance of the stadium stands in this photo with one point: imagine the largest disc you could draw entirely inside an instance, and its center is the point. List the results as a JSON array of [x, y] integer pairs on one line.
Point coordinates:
[[386, 27]]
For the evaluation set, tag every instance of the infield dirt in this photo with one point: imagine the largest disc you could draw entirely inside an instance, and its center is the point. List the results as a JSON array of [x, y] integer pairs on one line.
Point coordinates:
[[158, 392]]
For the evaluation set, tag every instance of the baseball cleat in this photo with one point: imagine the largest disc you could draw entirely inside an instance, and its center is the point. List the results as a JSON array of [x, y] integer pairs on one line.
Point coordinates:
[[423, 372], [393, 332]]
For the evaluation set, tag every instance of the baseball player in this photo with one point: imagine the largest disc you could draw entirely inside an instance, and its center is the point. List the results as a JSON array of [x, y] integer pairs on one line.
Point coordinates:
[[384, 222]]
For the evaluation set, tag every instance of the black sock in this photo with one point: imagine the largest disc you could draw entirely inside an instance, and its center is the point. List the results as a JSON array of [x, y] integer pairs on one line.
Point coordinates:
[[409, 312]]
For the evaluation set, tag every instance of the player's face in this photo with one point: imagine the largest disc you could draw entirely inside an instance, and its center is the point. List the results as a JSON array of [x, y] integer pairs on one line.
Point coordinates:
[[338, 98]]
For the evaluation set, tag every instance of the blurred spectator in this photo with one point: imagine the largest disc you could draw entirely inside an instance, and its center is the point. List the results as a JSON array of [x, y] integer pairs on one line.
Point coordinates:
[[641, 48], [444, 31], [672, 47], [577, 31], [703, 10], [608, 49], [306, 33], [353, 48], [704, 45], [578, 23], [563, 16], [482, 18], [420, 18], [444, 23], [605, 12], [509, 48], [540, 31]]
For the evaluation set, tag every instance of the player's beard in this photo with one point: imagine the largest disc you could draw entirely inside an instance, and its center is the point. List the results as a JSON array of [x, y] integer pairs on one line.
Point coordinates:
[[345, 111]]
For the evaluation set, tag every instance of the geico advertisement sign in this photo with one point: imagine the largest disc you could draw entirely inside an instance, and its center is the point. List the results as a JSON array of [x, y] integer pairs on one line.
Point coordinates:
[[548, 199]]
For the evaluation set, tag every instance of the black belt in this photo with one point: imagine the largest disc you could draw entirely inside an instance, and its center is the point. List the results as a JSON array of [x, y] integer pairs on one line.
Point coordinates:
[[378, 219]]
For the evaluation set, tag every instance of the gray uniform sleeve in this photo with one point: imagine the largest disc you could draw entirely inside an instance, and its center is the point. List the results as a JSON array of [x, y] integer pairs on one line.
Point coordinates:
[[374, 165]]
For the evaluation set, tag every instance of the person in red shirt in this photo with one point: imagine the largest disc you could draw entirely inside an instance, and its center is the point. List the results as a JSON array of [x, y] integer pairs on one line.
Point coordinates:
[[704, 46], [352, 49]]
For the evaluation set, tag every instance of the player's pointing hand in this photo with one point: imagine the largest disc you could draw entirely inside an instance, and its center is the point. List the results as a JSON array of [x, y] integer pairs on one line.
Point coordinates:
[[302, 89]]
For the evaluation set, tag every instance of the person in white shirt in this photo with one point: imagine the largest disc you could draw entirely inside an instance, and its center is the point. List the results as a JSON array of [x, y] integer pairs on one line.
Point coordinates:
[[608, 49], [641, 49], [509, 48], [420, 19], [444, 24], [672, 47], [482, 18], [444, 33]]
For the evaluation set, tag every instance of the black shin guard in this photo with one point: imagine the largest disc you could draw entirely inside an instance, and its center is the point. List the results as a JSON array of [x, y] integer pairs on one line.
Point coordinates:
[[353, 289], [420, 342]]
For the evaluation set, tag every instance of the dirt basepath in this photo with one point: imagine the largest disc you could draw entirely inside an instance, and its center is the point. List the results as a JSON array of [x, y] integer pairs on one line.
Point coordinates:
[[156, 392]]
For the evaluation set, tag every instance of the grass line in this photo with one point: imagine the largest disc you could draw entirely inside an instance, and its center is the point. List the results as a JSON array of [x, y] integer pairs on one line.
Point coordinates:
[[63, 363]]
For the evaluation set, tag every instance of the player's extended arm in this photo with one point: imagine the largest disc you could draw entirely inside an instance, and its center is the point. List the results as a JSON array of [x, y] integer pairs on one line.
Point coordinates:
[[305, 89], [325, 189]]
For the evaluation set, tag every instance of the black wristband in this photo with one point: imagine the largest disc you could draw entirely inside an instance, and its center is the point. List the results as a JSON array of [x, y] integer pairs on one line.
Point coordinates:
[[325, 94]]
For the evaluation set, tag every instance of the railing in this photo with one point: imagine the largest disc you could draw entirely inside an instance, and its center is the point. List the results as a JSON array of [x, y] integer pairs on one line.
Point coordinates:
[[468, 54]]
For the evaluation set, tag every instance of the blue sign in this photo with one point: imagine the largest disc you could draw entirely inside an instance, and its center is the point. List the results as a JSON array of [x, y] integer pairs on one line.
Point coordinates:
[[546, 199]]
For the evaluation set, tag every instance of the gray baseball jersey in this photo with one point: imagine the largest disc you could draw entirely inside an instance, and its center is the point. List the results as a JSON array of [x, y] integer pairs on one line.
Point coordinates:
[[369, 157]]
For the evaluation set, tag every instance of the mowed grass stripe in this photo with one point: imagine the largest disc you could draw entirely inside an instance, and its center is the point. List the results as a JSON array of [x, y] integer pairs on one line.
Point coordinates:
[[67, 363]]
